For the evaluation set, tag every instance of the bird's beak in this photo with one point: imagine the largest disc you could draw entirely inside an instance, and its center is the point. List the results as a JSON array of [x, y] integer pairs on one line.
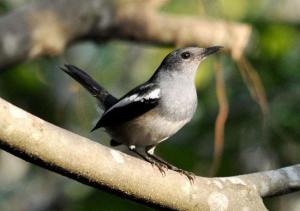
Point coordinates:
[[210, 50]]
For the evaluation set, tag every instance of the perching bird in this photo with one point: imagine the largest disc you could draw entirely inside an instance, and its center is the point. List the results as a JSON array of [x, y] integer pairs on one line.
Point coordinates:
[[153, 111]]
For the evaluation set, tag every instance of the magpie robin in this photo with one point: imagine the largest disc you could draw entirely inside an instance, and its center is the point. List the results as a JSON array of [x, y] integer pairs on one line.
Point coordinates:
[[154, 110]]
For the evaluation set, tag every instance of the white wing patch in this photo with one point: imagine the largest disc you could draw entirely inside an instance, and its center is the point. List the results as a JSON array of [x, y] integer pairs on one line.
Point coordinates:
[[153, 94], [131, 97]]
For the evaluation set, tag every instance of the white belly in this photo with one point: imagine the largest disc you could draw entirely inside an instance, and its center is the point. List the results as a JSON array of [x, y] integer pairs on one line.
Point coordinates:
[[149, 129]]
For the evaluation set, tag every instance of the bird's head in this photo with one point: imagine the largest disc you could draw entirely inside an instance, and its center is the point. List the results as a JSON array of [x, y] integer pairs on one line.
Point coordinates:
[[187, 59]]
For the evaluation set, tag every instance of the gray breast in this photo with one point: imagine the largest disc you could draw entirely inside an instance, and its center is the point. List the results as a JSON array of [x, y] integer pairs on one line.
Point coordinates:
[[179, 100]]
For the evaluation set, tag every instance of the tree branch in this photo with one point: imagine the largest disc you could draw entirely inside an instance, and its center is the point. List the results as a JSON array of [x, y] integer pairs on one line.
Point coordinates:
[[47, 27], [275, 182], [68, 154]]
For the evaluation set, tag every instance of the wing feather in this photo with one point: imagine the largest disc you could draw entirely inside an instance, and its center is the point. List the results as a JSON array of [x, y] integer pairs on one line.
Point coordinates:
[[135, 103]]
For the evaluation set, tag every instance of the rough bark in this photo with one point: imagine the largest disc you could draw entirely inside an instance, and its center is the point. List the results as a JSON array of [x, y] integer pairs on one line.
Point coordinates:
[[47, 27], [71, 155]]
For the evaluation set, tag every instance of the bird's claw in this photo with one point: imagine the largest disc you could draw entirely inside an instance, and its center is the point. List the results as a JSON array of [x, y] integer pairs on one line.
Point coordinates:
[[161, 167], [189, 175]]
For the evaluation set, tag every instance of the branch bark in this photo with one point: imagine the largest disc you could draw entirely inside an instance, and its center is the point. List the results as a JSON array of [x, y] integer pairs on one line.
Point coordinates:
[[76, 157], [47, 27]]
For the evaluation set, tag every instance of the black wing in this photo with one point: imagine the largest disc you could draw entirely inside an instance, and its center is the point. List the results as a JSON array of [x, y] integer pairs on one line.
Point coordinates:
[[135, 103]]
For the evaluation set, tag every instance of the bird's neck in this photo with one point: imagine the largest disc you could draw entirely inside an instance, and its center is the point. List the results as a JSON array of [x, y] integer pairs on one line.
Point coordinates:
[[185, 76]]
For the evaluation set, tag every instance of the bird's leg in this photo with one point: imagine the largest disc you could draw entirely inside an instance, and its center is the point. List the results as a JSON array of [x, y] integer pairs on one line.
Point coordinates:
[[149, 152], [147, 158]]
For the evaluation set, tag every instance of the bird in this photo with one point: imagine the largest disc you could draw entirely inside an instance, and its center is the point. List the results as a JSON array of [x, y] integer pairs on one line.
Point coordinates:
[[153, 111]]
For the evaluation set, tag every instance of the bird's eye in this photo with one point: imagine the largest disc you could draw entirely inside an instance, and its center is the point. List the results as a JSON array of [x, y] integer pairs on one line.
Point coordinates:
[[185, 55]]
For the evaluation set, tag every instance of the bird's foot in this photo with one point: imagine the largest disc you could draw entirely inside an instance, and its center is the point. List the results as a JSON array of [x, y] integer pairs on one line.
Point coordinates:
[[189, 175], [161, 166]]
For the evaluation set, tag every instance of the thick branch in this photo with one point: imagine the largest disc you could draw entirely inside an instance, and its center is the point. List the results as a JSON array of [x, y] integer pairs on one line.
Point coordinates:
[[47, 27], [76, 157]]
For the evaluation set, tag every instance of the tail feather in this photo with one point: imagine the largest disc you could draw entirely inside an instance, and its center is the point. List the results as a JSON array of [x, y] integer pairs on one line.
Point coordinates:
[[106, 100]]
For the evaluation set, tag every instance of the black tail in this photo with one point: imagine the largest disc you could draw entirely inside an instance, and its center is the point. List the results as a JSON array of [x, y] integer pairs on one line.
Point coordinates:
[[105, 99]]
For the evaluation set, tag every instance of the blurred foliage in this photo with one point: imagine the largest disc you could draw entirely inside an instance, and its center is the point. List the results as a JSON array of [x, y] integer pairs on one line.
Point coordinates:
[[250, 145]]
